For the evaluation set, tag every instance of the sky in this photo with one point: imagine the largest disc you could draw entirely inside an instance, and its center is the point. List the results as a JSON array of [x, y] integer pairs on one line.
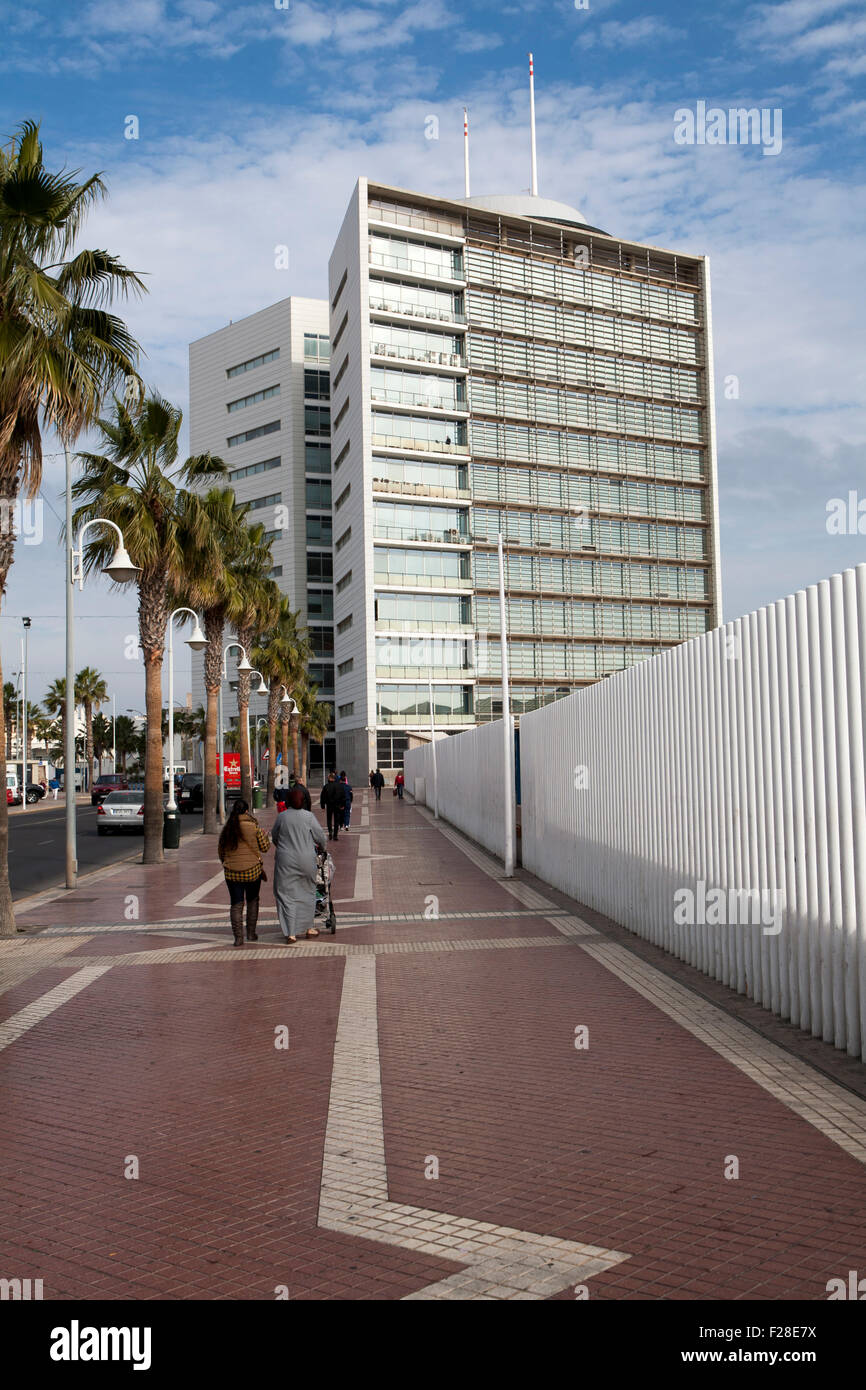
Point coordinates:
[[254, 120]]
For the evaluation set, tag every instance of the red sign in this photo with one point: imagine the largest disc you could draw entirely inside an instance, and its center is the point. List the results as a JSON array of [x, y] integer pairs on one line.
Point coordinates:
[[231, 770]]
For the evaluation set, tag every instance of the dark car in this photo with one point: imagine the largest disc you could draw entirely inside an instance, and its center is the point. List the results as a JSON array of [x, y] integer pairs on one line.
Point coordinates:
[[35, 792], [190, 796], [105, 783]]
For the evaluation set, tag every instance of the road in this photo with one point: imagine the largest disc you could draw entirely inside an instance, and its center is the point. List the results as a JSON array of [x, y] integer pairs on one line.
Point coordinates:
[[37, 838]]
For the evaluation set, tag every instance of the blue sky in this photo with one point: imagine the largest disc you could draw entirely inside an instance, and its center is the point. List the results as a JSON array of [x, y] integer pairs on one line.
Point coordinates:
[[255, 121]]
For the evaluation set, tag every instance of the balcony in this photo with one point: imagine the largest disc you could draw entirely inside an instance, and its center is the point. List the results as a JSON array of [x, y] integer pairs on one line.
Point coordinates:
[[423, 581], [416, 625], [416, 311], [421, 489], [422, 721], [422, 222], [416, 673], [384, 395], [410, 265], [448, 536], [406, 444], [428, 356]]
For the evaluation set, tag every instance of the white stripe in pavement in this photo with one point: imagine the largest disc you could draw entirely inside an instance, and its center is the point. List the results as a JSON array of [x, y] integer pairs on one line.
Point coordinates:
[[40, 1009], [194, 899], [499, 1262]]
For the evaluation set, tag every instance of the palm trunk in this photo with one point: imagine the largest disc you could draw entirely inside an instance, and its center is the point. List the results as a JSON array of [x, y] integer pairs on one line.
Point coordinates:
[[296, 752], [88, 751], [284, 731], [153, 808], [273, 711], [7, 911], [214, 626], [305, 749]]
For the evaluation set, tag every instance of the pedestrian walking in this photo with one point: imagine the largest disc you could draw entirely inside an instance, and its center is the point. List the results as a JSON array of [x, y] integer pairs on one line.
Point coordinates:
[[241, 846], [399, 784], [333, 802], [378, 783], [372, 778], [295, 835], [350, 797], [293, 782], [54, 784]]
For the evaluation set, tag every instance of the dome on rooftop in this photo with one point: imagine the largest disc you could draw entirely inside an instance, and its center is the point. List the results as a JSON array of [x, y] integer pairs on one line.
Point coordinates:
[[527, 205]]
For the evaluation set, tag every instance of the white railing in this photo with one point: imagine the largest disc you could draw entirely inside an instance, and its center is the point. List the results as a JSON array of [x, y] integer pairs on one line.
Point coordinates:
[[713, 801]]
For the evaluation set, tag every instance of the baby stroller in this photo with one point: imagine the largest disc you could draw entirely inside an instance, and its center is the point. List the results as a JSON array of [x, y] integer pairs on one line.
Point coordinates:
[[325, 916]]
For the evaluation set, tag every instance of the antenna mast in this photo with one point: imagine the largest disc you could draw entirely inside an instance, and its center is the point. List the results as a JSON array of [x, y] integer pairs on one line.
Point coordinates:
[[466, 151], [533, 165]]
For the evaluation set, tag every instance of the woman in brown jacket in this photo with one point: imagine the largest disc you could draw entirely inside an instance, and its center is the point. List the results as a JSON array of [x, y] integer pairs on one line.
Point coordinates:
[[241, 846]]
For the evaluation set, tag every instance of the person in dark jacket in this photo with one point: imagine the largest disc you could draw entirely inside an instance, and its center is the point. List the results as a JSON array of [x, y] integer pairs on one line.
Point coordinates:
[[350, 796], [293, 782], [378, 784], [333, 802]]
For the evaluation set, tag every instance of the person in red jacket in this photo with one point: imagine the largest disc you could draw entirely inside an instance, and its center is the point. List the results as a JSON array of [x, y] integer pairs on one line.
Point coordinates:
[[399, 783]]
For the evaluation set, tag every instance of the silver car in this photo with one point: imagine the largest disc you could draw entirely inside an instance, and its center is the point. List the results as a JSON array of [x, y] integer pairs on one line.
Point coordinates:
[[121, 811]]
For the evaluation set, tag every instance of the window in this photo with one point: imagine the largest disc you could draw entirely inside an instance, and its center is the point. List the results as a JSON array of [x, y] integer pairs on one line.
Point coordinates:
[[345, 710], [344, 582], [317, 345], [317, 457], [317, 385], [272, 500], [340, 288], [323, 677], [342, 497], [339, 377], [252, 362], [319, 530], [264, 467], [322, 641], [247, 435], [318, 492], [344, 539], [276, 572], [341, 412], [317, 419], [344, 625], [320, 603], [341, 455], [341, 330], [346, 666], [254, 399], [320, 566]]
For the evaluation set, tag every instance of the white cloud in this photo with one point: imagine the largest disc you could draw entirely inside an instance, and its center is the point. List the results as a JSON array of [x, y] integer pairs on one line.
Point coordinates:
[[630, 33]]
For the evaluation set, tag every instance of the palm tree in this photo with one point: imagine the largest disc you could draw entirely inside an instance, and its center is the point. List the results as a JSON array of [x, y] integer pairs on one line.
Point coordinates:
[[139, 484], [10, 709], [259, 599], [125, 737], [282, 656], [91, 690], [54, 701], [101, 737], [60, 348], [210, 584]]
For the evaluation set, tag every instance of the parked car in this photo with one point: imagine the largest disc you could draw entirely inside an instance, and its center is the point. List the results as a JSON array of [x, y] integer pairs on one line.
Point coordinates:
[[190, 795], [13, 791], [121, 810], [107, 782], [35, 792]]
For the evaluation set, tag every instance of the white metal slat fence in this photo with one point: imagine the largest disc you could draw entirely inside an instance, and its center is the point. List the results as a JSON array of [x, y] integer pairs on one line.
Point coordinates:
[[469, 780]]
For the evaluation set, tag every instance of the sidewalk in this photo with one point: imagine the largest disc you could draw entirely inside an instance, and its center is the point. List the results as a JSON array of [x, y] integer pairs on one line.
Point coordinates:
[[433, 1129]]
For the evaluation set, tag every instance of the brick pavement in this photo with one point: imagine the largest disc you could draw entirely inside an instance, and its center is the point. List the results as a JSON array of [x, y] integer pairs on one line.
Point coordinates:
[[431, 1131]]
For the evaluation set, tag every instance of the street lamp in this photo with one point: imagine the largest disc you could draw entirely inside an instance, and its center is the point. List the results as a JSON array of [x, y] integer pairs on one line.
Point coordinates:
[[262, 690], [286, 699], [244, 667], [196, 643], [121, 570], [259, 722]]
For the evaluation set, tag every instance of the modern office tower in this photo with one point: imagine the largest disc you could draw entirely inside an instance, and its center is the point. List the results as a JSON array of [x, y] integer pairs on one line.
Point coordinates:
[[501, 366], [259, 398]]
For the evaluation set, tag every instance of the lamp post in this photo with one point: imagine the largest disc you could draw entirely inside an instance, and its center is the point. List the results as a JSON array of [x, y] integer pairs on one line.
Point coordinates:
[[24, 779], [243, 665], [113, 734], [196, 643], [121, 570], [262, 690], [259, 722], [508, 734], [286, 699]]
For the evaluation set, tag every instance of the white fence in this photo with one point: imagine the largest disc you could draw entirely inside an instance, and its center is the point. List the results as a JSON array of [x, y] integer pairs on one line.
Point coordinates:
[[469, 781], [712, 800]]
